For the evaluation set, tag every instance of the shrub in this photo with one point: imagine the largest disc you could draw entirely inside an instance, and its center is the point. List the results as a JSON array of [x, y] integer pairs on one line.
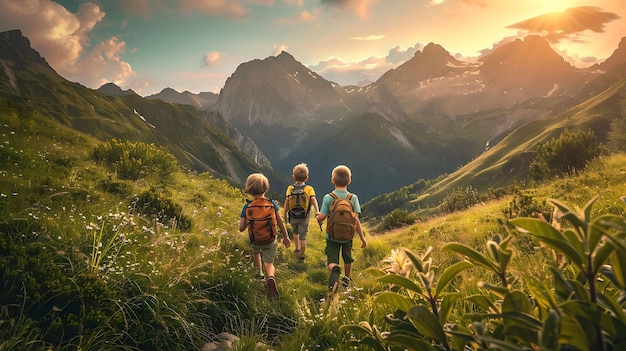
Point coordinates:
[[136, 160], [397, 219], [153, 203], [459, 199], [570, 152]]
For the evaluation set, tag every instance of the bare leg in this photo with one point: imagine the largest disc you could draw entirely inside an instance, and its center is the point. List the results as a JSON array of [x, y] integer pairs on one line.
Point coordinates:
[[257, 262], [347, 267], [302, 247], [269, 269], [296, 241]]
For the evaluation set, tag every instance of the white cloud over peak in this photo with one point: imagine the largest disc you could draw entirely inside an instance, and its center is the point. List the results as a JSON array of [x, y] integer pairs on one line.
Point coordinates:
[[61, 37], [102, 65], [347, 72], [278, 49]]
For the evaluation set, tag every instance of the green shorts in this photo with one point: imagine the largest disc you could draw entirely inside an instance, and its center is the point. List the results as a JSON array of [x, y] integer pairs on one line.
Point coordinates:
[[268, 251], [300, 227], [333, 248]]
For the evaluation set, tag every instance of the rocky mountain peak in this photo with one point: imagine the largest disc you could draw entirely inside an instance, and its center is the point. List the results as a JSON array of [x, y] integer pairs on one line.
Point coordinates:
[[432, 62], [530, 65], [113, 90], [16, 47], [618, 58]]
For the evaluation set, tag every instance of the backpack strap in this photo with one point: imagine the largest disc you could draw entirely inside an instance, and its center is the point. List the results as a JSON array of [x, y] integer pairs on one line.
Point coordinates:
[[335, 197]]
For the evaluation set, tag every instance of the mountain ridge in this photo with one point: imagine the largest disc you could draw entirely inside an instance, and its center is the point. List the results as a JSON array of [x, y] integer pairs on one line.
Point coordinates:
[[393, 132], [196, 142]]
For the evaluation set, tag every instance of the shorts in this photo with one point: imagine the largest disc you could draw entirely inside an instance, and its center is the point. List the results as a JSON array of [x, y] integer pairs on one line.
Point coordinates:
[[333, 248], [268, 251], [300, 227]]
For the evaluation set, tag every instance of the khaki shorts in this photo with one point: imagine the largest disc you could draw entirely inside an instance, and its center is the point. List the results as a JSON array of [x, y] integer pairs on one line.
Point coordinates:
[[300, 227], [268, 251]]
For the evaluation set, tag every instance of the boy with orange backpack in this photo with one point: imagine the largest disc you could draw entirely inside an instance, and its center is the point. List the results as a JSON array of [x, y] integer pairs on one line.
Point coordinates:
[[299, 199], [342, 209], [262, 218]]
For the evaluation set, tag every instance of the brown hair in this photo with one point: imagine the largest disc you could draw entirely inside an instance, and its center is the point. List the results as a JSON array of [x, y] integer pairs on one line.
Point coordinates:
[[341, 176], [301, 172], [257, 184]]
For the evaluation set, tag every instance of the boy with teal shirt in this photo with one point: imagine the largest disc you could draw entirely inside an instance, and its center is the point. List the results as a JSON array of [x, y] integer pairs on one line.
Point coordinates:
[[341, 178]]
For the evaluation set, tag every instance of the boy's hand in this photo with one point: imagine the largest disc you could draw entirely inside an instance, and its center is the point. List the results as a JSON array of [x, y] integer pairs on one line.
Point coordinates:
[[286, 242], [363, 243]]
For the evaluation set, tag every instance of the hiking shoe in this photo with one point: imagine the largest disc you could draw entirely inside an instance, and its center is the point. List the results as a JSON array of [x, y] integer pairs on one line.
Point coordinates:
[[271, 287], [334, 277], [301, 258], [296, 251], [345, 281], [260, 276]]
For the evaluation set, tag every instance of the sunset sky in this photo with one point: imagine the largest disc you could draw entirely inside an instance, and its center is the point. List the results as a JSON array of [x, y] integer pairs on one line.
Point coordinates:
[[195, 45]]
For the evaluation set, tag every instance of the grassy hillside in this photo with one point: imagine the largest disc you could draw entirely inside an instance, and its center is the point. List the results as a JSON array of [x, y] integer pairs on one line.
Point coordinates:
[[198, 144], [92, 261], [506, 162]]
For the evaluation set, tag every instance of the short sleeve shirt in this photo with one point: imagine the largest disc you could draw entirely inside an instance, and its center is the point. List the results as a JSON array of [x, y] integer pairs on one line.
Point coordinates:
[[328, 200], [308, 190]]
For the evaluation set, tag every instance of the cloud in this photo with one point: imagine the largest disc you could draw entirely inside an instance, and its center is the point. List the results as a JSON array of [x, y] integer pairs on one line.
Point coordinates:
[[351, 72], [400, 55], [557, 26], [214, 7], [362, 8], [101, 65], [278, 49], [369, 37], [500, 43], [303, 16], [143, 8], [347, 72], [212, 58], [62, 38]]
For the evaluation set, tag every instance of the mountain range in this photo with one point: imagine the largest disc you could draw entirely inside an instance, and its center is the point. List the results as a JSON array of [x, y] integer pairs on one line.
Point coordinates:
[[429, 116], [433, 115]]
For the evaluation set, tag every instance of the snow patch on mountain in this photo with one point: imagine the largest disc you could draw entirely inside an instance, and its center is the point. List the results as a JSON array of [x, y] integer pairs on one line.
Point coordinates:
[[143, 119], [402, 139]]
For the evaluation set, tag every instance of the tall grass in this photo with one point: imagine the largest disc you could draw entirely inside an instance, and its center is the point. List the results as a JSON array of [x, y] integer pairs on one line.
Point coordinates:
[[82, 268]]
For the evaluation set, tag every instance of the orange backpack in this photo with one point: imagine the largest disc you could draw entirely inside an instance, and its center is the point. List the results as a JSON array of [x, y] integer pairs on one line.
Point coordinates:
[[341, 223], [262, 226]]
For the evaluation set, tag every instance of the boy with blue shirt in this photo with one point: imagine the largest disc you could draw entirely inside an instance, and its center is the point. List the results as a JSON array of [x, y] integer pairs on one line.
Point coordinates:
[[341, 178], [263, 254]]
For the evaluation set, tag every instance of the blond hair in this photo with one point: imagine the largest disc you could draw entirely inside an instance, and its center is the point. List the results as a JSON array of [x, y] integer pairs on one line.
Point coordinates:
[[341, 176], [257, 184], [300, 172]]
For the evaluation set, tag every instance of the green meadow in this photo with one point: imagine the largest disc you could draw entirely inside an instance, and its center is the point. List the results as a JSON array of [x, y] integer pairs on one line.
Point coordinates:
[[111, 246]]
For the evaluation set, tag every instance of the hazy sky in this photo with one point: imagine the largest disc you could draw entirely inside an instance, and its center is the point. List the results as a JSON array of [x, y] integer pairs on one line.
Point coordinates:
[[195, 45]]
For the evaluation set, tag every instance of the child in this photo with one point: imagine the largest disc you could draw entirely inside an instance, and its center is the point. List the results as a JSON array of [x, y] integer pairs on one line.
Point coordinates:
[[341, 177], [300, 194], [263, 250]]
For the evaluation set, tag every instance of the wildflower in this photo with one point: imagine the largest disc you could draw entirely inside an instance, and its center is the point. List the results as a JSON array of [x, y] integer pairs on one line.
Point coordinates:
[[398, 262]]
